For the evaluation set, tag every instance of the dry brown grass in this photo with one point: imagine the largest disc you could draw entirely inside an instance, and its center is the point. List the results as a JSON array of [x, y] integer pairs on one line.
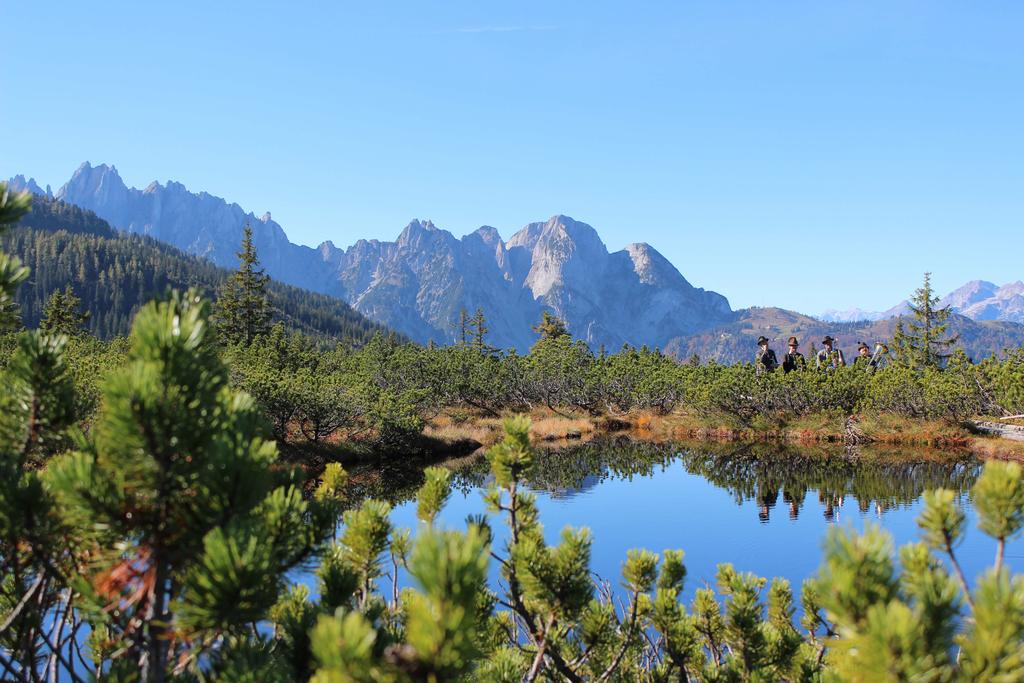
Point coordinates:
[[995, 448], [556, 427], [892, 429], [884, 430]]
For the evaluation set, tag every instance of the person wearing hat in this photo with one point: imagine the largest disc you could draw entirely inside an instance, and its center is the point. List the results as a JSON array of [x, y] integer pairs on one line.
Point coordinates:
[[829, 357], [863, 359], [793, 359], [766, 360]]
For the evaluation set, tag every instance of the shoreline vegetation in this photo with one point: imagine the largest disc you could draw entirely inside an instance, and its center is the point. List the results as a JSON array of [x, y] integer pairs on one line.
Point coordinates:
[[878, 430], [446, 438]]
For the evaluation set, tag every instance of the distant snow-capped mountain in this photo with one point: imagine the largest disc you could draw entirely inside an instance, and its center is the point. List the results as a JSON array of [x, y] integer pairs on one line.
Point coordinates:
[[420, 283], [980, 300], [977, 300], [850, 315]]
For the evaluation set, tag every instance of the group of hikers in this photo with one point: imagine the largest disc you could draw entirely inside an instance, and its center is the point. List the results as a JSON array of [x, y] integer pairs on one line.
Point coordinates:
[[827, 359]]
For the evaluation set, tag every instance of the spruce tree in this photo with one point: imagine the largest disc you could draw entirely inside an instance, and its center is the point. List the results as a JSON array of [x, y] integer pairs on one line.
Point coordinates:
[[920, 340], [463, 327], [550, 327], [479, 326], [63, 315], [243, 310]]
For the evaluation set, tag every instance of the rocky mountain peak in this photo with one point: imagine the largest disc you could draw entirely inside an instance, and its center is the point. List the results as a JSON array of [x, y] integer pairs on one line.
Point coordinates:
[[95, 184], [654, 269], [489, 235], [419, 283], [420, 232], [1011, 289], [20, 184], [970, 293]]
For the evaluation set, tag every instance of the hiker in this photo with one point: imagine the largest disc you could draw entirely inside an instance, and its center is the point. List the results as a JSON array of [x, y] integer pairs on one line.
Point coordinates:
[[766, 360], [793, 359], [830, 358]]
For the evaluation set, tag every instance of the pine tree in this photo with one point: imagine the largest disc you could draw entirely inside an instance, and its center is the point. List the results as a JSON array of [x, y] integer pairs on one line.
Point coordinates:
[[12, 272], [550, 327], [479, 326], [243, 310], [463, 327], [176, 506], [63, 315], [920, 340]]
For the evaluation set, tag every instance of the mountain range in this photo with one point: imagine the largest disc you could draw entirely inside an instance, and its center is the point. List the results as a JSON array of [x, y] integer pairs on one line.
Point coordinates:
[[977, 300], [114, 273], [420, 283]]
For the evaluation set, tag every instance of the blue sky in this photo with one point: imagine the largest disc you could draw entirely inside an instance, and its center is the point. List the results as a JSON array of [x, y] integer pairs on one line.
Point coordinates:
[[803, 154]]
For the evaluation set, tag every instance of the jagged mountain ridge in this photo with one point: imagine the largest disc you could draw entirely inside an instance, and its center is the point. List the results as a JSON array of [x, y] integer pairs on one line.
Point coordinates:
[[419, 283], [114, 273], [977, 300]]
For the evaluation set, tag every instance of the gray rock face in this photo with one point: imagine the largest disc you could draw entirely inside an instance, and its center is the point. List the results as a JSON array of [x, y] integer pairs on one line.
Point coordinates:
[[421, 282], [980, 300], [200, 223], [20, 184]]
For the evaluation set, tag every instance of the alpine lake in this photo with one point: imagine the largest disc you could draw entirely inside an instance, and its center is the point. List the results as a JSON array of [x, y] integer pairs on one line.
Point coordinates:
[[765, 508]]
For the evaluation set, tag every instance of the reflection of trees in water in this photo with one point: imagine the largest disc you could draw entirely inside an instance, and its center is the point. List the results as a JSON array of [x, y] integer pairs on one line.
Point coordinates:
[[879, 483], [763, 473], [399, 481]]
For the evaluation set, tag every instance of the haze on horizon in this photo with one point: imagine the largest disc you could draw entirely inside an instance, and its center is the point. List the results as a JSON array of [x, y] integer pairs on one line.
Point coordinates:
[[809, 156]]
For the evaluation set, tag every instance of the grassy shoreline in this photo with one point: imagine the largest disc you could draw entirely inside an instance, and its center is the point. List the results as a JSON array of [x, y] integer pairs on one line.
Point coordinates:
[[869, 430], [459, 434]]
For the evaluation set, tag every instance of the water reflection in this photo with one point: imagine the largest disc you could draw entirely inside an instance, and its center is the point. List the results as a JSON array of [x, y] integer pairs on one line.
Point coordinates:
[[762, 473], [763, 507]]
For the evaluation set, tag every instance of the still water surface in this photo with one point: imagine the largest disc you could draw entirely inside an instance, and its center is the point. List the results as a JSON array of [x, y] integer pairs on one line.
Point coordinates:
[[765, 509]]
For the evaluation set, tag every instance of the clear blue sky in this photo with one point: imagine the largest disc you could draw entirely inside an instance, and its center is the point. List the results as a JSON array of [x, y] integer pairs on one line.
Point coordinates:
[[804, 154]]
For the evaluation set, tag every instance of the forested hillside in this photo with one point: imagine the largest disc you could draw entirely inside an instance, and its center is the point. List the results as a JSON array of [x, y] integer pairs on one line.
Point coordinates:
[[115, 273]]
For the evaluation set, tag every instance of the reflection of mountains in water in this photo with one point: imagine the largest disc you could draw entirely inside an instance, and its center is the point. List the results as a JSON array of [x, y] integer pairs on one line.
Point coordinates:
[[768, 475]]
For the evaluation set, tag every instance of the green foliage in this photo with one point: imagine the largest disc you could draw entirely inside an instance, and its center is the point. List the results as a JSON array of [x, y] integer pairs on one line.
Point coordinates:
[[999, 500], [175, 504], [1006, 382], [243, 312], [433, 494], [921, 341], [177, 516], [550, 327], [115, 274], [62, 314], [12, 273]]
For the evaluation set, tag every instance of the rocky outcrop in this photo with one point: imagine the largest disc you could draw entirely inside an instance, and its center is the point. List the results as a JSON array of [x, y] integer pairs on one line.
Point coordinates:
[[419, 284], [980, 300]]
